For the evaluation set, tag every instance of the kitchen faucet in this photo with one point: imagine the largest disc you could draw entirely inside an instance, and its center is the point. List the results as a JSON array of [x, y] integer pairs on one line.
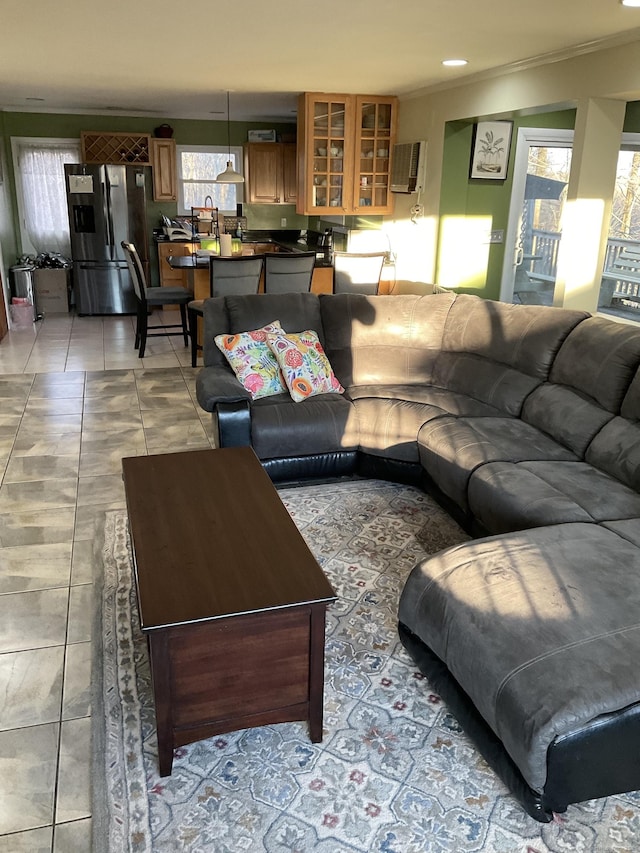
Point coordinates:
[[216, 224]]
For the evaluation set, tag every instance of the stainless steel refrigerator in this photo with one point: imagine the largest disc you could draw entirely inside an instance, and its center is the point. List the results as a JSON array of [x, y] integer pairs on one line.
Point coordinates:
[[106, 205]]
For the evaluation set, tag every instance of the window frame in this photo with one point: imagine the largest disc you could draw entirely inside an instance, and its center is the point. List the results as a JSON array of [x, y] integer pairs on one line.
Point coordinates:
[[47, 141], [235, 150]]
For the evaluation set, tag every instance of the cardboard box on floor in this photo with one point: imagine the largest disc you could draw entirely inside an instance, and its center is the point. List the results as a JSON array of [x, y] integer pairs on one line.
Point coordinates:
[[51, 291]]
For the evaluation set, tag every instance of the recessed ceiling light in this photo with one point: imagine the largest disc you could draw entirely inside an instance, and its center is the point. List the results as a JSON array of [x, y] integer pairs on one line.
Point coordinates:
[[630, 2], [451, 63]]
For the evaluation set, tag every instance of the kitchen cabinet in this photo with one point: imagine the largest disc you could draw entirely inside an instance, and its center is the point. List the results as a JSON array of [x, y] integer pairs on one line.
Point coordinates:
[[163, 164], [270, 172], [168, 276], [345, 144]]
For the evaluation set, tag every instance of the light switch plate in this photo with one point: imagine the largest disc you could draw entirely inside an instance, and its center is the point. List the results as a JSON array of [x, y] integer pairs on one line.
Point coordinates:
[[496, 236]]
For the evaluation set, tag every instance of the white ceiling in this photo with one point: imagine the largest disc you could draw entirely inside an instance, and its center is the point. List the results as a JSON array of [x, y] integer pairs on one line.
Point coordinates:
[[176, 60]]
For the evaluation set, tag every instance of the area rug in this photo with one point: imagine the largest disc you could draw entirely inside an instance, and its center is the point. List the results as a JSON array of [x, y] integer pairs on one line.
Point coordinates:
[[394, 772]]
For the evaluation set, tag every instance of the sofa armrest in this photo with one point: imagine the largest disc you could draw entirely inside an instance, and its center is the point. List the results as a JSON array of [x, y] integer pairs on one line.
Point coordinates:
[[218, 384], [234, 424]]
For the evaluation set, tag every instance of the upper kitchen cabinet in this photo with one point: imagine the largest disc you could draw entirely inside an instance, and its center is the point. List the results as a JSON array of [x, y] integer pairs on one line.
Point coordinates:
[[375, 135], [163, 163], [270, 172], [344, 153]]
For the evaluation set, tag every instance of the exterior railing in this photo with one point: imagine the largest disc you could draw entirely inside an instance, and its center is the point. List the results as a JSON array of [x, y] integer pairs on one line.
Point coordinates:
[[541, 261], [544, 249]]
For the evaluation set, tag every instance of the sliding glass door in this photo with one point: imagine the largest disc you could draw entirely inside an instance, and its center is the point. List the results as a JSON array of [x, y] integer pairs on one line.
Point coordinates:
[[541, 175], [620, 284]]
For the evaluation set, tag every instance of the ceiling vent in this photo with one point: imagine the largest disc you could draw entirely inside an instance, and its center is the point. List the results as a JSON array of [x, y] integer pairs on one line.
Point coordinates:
[[407, 167]]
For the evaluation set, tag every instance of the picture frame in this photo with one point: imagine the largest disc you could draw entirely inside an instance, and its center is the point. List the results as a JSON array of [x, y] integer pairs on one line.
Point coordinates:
[[490, 150]]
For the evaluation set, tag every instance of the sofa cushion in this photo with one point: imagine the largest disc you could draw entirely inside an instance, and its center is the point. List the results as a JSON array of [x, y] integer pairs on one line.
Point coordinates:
[[631, 404], [233, 314], [390, 416], [445, 401], [570, 417], [541, 629], [281, 428], [499, 353], [506, 496], [451, 449], [491, 382], [628, 528], [389, 428], [384, 339], [599, 359], [616, 450]]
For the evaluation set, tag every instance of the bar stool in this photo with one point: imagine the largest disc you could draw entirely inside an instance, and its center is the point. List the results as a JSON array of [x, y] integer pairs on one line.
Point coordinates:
[[357, 273], [147, 297], [226, 277], [284, 273]]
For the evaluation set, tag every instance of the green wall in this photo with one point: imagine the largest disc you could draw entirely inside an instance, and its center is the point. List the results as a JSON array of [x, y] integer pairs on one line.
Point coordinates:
[[186, 132], [466, 197]]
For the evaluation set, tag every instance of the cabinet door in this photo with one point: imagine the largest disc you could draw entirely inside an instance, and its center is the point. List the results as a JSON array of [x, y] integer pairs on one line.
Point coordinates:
[[289, 173], [168, 276], [263, 166], [375, 136], [326, 132], [163, 160]]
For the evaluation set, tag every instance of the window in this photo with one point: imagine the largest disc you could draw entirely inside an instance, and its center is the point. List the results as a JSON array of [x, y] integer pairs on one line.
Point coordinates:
[[198, 166], [42, 198]]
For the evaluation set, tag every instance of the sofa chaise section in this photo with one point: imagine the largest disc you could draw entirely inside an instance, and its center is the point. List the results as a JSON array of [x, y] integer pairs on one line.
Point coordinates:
[[537, 632]]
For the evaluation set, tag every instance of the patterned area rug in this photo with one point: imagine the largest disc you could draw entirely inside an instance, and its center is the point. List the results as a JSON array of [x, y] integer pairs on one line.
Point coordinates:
[[394, 772]]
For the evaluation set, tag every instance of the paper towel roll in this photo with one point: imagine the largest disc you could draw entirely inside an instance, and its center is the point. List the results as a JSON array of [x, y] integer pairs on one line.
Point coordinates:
[[225, 245]]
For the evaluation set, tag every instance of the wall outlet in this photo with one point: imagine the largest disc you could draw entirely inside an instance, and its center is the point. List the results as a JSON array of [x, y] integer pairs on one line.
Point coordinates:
[[496, 236], [283, 222]]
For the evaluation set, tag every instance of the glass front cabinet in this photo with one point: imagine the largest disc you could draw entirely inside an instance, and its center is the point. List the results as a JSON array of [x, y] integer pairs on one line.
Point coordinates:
[[344, 153]]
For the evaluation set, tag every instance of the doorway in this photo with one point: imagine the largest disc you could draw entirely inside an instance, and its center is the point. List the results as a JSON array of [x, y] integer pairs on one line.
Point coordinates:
[[540, 178]]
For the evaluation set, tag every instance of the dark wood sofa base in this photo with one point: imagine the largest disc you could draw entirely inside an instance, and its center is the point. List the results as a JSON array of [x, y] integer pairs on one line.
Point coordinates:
[[599, 760]]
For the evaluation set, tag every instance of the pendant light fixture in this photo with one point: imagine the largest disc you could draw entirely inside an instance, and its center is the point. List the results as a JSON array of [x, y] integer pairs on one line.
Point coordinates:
[[229, 176]]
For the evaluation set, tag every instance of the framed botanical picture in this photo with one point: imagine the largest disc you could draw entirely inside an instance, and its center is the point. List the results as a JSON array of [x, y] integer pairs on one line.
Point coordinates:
[[490, 150]]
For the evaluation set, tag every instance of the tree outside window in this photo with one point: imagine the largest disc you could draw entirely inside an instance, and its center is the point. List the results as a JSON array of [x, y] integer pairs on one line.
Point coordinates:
[[198, 167]]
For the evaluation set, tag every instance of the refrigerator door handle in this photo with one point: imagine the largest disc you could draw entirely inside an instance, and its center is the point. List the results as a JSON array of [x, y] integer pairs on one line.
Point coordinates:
[[106, 194]]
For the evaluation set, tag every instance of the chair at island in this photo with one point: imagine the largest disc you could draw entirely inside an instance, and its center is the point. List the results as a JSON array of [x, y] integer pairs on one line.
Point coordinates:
[[227, 276], [147, 297], [284, 273], [357, 273]]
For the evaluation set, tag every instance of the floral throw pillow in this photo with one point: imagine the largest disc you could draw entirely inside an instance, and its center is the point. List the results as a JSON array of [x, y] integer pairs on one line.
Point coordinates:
[[304, 365], [252, 361]]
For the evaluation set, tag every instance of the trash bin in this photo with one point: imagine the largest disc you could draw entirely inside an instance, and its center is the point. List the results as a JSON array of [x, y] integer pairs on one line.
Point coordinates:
[[21, 285]]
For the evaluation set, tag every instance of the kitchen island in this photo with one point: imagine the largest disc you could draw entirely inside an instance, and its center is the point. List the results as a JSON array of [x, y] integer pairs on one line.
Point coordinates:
[[179, 265]]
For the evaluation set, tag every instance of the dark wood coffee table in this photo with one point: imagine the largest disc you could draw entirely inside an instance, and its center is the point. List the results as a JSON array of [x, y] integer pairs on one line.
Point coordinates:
[[230, 597]]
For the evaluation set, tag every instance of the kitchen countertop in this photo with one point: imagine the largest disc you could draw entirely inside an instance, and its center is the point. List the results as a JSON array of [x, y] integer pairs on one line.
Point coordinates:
[[285, 239]]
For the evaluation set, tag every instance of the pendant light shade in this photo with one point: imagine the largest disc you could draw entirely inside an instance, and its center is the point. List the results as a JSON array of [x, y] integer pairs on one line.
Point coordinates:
[[229, 176]]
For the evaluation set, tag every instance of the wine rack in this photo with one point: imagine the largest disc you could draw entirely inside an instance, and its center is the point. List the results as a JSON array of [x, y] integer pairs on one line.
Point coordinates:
[[118, 148]]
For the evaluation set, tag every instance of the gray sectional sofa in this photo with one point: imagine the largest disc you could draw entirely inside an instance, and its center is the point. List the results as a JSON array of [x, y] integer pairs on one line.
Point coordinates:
[[524, 421]]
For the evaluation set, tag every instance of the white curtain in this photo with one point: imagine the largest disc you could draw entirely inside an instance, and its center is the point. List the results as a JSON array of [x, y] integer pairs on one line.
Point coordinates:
[[44, 193]]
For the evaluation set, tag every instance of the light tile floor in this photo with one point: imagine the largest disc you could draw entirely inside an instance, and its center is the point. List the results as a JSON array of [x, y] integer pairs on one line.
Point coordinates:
[[74, 399]]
